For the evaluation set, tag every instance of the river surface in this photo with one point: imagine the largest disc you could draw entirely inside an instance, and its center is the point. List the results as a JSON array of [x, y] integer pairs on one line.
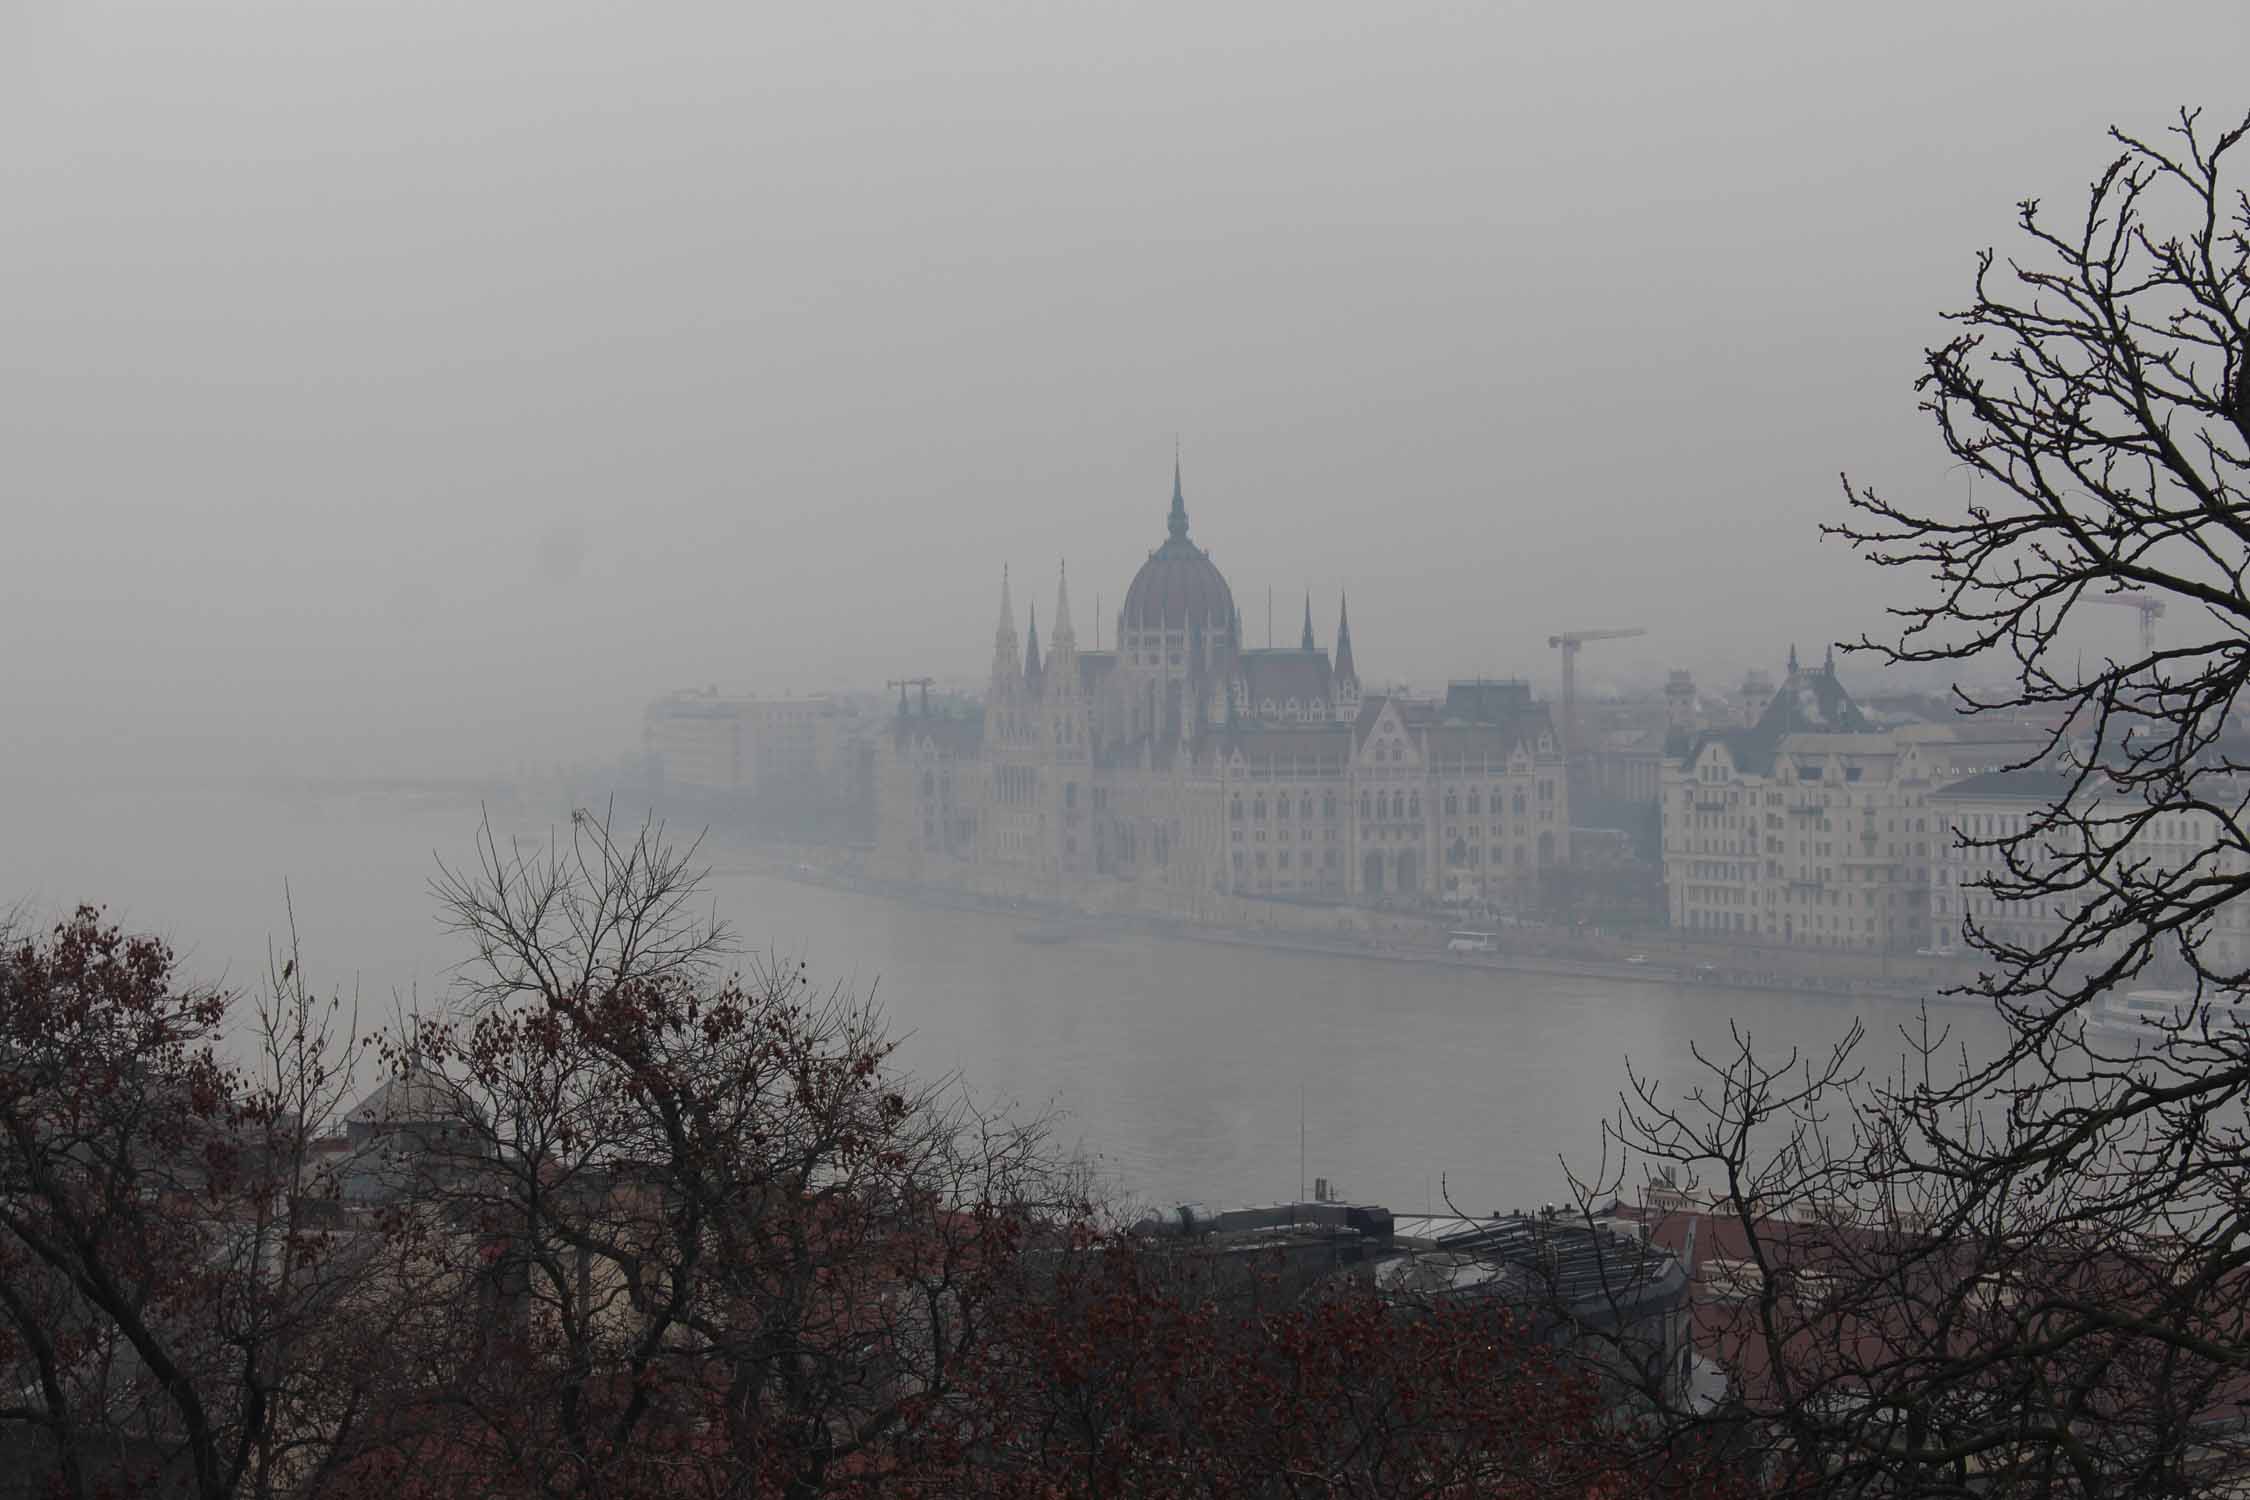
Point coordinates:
[[1180, 1064]]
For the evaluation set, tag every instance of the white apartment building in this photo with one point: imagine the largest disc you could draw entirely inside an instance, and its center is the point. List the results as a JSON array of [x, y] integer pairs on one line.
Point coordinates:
[[1811, 827], [1999, 803]]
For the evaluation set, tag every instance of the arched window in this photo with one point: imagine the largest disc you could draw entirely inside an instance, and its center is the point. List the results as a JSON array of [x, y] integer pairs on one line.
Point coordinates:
[[1328, 805], [1452, 804], [1414, 806], [1258, 809], [1475, 805], [1304, 805], [1364, 810], [1234, 809]]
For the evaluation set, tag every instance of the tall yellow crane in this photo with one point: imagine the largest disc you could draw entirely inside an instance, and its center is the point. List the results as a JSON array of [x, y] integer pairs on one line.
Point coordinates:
[[2150, 607], [1568, 643]]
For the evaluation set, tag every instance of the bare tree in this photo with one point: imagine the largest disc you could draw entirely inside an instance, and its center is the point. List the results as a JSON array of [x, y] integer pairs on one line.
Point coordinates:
[[2025, 1273], [163, 1287], [2102, 385], [711, 1242]]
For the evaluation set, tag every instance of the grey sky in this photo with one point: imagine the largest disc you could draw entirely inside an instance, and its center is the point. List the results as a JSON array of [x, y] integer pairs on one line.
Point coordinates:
[[430, 384]]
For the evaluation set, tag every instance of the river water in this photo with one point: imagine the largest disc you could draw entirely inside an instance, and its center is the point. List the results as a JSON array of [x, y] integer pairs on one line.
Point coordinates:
[[1181, 1065]]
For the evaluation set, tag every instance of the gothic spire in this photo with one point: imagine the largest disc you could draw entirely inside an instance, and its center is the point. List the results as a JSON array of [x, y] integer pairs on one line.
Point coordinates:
[[1178, 522], [1792, 658], [1006, 665], [1062, 648], [1031, 653], [1064, 634], [1307, 643], [1344, 669]]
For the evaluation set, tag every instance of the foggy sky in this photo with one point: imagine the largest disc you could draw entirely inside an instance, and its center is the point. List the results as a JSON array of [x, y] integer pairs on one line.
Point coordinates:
[[428, 385]]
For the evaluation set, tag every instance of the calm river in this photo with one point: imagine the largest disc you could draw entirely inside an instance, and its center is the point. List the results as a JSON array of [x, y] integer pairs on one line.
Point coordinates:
[[1180, 1064]]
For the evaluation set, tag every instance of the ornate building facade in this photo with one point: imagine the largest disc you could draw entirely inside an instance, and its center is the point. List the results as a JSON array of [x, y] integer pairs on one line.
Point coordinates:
[[1814, 827], [1194, 766]]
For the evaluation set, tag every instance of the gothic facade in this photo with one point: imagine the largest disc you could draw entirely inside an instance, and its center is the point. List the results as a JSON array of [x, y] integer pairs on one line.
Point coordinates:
[[1186, 761]]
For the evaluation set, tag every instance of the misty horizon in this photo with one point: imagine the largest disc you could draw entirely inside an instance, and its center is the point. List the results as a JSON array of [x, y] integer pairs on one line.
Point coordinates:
[[389, 391]]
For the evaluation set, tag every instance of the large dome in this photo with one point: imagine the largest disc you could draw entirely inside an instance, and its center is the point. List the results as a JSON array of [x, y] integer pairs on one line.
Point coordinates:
[[1179, 582]]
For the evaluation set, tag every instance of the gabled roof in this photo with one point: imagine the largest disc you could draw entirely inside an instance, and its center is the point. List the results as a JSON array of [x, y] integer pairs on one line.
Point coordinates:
[[1812, 702], [2033, 785], [1809, 701], [1282, 675], [1309, 749], [1484, 701]]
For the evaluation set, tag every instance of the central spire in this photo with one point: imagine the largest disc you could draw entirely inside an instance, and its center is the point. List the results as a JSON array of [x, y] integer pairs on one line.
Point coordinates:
[[1344, 671], [1065, 634], [1178, 523]]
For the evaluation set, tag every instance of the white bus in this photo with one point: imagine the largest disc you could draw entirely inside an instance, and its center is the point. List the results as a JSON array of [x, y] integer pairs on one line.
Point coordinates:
[[1470, 942]]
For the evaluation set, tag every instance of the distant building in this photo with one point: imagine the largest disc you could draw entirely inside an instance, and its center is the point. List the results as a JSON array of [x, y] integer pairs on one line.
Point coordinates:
[[1187, 764], [2001, 803], [705, 740], [1813, 827], [1597, 1291]]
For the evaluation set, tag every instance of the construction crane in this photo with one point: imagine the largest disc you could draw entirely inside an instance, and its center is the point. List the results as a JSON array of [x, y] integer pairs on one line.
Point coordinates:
[[903, 683], [1569, 642], [2151, 608]]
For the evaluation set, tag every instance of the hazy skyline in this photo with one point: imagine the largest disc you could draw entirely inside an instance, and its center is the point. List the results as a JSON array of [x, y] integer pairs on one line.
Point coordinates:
[[429, 386]]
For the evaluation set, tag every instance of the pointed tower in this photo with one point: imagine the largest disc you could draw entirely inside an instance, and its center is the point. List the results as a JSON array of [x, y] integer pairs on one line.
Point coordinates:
[[1176, 524], [1346, 676], [1062, 652], [1307, 643], [1007, 666], [1031, 669]]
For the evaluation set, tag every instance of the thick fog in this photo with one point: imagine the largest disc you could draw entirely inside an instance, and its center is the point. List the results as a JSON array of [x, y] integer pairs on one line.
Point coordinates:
[[425, 386]]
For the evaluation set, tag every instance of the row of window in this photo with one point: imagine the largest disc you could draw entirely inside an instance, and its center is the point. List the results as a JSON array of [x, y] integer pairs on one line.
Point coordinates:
[[1386, 806], [1281, 860]]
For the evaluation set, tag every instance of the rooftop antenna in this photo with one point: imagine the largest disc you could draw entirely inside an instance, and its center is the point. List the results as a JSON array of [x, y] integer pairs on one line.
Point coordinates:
[[1300, 1140]]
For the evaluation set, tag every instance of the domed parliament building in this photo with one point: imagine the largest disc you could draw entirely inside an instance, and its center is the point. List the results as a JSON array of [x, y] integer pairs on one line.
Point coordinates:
[[1188, 765]]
